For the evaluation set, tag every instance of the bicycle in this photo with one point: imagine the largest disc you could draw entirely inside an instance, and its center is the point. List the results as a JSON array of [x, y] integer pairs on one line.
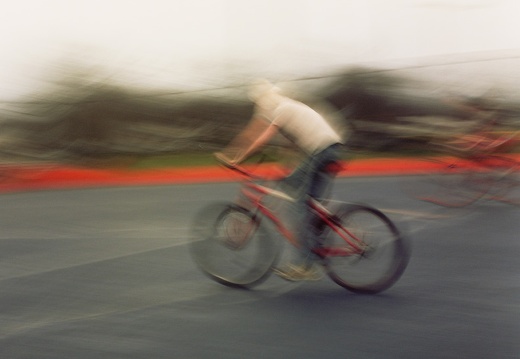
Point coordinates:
[[359, 247], [475, 166]]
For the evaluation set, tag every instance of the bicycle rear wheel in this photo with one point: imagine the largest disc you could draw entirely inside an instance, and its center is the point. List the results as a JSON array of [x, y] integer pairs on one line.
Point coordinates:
[[231, 247], [384, 258]]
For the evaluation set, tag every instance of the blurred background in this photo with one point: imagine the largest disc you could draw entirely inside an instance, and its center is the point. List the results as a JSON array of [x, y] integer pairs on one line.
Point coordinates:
[[85, 81]]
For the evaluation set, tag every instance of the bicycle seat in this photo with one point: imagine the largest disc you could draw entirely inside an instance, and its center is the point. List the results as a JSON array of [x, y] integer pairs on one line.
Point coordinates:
[[334, 168]]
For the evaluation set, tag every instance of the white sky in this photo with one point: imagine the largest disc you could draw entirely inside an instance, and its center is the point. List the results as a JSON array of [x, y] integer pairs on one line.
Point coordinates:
[[174, 42]]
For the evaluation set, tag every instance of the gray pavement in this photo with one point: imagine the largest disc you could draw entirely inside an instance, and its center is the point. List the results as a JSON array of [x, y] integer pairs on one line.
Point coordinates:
[[105, 273]]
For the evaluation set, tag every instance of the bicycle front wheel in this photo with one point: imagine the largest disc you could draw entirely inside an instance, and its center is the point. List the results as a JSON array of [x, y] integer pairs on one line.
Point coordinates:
[[231, 247], [384, 251]]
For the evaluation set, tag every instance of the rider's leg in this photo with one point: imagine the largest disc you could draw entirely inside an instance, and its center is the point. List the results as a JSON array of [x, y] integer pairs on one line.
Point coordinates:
[[317, 180]]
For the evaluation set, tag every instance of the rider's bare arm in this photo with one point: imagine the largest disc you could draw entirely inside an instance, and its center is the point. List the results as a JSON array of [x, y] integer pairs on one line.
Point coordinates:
[[250, 140], [258, 143]]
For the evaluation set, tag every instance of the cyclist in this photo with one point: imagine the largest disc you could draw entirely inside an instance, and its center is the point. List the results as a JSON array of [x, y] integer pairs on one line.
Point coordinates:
[[320, 143]]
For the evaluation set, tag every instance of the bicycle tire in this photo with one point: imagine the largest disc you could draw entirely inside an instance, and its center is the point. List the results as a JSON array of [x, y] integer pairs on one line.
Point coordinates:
[[453, 184], [231, 247], [383, 261]]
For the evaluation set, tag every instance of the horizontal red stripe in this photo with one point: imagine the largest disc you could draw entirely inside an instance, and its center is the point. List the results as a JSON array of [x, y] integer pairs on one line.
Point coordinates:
[[17, 178]]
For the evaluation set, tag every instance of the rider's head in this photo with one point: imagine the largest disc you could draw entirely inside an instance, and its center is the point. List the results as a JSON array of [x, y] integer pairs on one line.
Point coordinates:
[[264, 93]]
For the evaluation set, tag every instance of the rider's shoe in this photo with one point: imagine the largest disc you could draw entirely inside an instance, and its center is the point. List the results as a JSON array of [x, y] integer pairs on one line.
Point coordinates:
[[296, 273]]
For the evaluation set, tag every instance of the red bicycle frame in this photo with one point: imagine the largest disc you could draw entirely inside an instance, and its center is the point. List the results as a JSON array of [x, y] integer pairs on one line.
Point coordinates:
[[255, 193]]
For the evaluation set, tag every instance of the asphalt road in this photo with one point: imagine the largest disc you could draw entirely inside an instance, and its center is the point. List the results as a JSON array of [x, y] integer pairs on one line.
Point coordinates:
[[105, 273]]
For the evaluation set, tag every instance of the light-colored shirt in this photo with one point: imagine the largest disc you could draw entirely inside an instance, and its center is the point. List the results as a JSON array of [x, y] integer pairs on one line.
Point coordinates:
[[300, 124]]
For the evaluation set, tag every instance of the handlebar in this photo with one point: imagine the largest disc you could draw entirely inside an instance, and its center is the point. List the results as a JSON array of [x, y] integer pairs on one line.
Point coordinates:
[[224, 162]]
